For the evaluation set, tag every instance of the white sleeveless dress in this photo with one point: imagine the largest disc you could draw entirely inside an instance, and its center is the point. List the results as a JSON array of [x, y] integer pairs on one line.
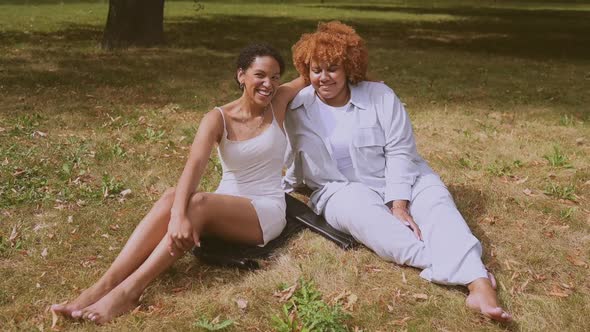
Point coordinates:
[[252, 168]]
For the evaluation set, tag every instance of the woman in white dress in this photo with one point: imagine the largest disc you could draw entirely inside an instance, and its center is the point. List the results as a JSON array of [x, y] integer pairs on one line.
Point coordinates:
[[248, 206]]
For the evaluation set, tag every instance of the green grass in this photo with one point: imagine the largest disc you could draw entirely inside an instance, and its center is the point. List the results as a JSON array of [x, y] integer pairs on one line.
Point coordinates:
[[557, 158], [498, 96], [307, 311]]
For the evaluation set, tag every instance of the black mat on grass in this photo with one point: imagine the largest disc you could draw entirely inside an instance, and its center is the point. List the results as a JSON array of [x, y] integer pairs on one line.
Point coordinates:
[[221, 253]]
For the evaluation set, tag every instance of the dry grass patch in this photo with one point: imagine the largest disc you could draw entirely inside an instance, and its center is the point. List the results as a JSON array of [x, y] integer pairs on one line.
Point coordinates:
[[502, 117]]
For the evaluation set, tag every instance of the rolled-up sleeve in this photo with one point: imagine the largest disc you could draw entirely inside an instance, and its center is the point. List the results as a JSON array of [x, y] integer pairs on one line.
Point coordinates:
[[401, 169]]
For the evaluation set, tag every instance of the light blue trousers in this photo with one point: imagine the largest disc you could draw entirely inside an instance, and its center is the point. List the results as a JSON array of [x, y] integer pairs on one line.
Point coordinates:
[[449, 254]]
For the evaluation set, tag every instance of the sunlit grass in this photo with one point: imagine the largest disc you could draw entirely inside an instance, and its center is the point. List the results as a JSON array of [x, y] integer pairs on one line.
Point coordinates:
[[498, 113]]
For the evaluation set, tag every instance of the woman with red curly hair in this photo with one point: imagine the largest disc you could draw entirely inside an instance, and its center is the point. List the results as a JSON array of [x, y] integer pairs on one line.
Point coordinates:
[[351, 142]]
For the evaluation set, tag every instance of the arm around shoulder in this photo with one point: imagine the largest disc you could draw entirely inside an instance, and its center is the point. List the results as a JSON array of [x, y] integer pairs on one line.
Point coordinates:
[[285, 93]]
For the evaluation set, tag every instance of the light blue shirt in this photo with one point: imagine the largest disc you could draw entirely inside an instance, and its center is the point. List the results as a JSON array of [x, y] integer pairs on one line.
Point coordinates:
[[382, 148]]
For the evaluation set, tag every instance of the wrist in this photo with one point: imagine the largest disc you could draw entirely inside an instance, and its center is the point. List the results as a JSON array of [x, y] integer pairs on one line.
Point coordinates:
[[399, 204], [175, 213]]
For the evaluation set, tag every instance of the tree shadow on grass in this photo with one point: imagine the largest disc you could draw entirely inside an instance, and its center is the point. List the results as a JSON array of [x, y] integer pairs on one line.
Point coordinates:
[[472, 203], [200, 51], [528, 34]]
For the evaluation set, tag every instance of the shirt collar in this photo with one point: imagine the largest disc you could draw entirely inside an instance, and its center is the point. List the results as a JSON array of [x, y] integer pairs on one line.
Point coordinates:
[[306, 97]]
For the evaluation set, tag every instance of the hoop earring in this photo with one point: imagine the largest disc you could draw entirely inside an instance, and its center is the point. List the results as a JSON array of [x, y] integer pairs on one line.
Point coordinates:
[[242, 86]]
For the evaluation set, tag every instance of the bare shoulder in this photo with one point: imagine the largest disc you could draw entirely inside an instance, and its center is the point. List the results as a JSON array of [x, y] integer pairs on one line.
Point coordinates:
[[212, 124]]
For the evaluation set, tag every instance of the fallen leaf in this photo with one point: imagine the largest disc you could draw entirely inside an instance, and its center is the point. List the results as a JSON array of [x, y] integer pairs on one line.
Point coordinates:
[[576, 261], [420, 296], [401, 321], [566, 286], [13, 236], [557, 291], [558, 294], [372, 268], [286, 293], [18, 172], [54, 319], [39, 227], [242, 304], [136, 310], [350, 302], [44, 253]]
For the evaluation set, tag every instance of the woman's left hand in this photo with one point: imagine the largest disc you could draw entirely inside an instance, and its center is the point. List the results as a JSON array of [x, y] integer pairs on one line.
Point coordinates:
[[400, 210], [181, 235]]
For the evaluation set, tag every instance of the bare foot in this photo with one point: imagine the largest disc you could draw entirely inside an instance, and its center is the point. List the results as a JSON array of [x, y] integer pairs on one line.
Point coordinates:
[[482, 298], [112, 305], [88, 297]]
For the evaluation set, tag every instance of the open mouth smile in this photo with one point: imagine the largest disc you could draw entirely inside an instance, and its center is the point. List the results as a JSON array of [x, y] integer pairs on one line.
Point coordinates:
[[265, 93]]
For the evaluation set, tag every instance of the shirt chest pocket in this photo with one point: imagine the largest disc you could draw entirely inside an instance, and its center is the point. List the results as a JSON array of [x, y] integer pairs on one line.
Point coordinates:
[[368, 146]]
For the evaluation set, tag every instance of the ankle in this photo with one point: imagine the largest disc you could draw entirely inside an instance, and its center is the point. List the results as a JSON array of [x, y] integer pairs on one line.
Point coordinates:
[[479, 285]]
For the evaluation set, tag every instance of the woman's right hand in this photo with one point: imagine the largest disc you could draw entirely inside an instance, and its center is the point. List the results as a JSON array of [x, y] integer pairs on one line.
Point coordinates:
[[400, 210], [181, 235]]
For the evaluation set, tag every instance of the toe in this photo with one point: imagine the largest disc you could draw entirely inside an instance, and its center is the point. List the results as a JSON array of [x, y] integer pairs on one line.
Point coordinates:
[[77, 314], [86, 314], [506, 316]]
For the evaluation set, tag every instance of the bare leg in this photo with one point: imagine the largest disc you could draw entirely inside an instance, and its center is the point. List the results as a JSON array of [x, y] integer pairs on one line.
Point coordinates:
[[482, 298], [146, 236], [208, 213]]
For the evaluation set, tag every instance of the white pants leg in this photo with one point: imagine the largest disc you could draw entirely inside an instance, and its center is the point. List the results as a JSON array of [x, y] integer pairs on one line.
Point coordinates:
[[455, 253], [450, 254], [359, 211]]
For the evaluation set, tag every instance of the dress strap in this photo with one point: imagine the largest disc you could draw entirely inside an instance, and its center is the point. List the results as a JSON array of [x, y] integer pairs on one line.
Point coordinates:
[[272, 110], [222, 117]]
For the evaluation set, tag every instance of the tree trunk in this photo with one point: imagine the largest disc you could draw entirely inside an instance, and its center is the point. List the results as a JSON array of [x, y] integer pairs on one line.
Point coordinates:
[[134, 22]]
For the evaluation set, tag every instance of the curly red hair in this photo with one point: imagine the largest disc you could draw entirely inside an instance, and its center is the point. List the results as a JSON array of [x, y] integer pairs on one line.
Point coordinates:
[[335, 43]]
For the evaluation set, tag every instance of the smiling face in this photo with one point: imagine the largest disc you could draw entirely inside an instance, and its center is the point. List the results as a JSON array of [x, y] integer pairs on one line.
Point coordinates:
[[330, 83], [261, 79]]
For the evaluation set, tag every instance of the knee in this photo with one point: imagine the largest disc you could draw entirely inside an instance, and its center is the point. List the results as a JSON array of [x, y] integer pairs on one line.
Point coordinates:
[[197, 209], [198, 201]]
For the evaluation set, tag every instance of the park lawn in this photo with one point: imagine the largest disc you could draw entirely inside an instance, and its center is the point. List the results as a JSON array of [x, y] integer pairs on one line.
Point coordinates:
[[498, 95]]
